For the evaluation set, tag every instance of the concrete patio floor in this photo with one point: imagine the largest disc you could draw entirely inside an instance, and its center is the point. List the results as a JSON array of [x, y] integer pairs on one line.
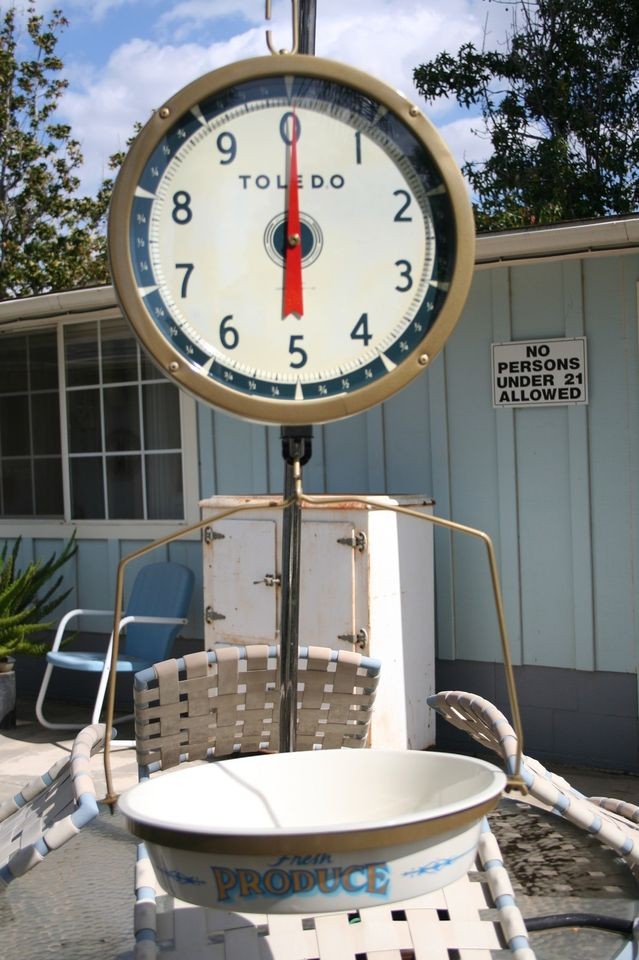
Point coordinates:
[[78, 905]]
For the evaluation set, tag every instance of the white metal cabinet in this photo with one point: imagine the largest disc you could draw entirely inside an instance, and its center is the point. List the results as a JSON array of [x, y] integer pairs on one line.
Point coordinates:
[[366, 584]]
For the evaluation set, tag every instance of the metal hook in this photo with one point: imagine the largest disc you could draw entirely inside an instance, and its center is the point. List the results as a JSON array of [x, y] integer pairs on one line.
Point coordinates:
[[295, 13]]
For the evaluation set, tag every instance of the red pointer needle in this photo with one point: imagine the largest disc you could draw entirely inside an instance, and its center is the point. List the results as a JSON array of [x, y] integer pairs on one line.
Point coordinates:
[[293, 295]]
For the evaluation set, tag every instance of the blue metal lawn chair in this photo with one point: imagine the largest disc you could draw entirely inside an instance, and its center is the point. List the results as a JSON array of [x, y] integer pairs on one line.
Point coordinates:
[[156, 610]]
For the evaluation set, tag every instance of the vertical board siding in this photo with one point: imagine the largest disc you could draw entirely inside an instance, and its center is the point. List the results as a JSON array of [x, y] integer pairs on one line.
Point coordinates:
[[407, 439], [442, 539], [580, 494], [543, 482], [507, 537], [556, 487], [95, 576], [346, 453], [544, 533], [472, 459], [610, 306]]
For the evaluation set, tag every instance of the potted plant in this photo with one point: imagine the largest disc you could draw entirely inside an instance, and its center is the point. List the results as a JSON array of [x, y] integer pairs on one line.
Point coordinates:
[[27, 597]]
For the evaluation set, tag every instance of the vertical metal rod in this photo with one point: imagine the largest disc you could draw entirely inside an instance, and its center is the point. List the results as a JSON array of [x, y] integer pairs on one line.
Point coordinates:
[[296, 450], [289, 615], [308, 19]]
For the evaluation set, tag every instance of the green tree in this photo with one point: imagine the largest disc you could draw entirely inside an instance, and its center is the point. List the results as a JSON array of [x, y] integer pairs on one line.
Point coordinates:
[[560, 107], [51, 237]]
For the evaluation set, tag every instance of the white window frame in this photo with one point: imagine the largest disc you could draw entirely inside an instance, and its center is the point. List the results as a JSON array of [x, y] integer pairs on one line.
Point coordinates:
[[143, 530]]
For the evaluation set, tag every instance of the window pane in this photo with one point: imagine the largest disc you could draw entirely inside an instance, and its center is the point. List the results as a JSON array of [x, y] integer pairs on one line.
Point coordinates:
[[149, 370], [119, 405], [119, 352], [13, 364], [43, 361], [161, 404], [164, 486], [15, 439], [45, 414], [124, 485], [121, 418], [16, 488], [87, 489], [83, 410], [47, 474], [81, 354]]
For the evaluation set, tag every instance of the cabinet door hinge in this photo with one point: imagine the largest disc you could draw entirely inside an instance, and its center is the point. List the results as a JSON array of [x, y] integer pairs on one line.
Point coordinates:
[[211, 615], [358, 541], [359, 639], [210, 535]]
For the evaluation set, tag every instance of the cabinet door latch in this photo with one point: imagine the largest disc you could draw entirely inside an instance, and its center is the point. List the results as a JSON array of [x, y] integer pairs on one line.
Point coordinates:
[[270, 580], [358, 541]]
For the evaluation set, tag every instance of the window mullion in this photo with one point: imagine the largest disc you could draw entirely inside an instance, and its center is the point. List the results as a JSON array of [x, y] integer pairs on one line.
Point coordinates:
[[145, 510], [107, 514], [30, 423], [64, 424]]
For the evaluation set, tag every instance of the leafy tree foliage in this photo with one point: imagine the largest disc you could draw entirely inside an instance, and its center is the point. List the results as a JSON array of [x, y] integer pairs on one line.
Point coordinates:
[[50, 236], [560, 105]]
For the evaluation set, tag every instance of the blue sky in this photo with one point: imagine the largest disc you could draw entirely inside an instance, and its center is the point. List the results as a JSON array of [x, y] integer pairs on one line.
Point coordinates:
[[123, 58]]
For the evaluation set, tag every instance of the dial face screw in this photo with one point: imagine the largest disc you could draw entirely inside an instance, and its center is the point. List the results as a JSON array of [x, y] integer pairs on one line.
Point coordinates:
[[293, 240], [174, 366], [414, 111], [423, 360], [165, 112]]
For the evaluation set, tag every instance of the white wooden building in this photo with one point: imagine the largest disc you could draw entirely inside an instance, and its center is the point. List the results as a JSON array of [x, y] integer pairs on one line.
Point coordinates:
[[93, 440]]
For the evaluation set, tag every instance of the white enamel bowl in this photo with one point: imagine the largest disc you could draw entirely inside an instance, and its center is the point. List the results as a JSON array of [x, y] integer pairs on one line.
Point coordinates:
[[315, 831]]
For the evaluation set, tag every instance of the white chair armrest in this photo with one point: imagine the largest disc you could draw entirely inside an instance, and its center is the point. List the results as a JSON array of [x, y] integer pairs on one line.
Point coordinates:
[[78, 612]]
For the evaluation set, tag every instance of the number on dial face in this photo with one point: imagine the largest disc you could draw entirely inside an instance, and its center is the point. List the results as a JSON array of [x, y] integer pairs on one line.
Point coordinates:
[[291, 236]]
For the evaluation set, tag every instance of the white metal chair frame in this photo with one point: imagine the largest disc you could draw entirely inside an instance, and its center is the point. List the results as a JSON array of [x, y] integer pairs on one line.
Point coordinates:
[[477, 916], [613, 822], [105, 658], [157, 607], [214, 704], [174, 703], [50, 810]]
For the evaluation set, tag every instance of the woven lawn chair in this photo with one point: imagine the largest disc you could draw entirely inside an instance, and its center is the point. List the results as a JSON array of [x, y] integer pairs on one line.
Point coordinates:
[[227, 702], [216, 704], [50, 810], [613, 822], [475, 918]]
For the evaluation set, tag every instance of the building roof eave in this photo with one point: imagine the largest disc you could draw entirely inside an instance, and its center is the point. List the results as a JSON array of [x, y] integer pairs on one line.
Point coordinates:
[[69, 303], [580, 238]]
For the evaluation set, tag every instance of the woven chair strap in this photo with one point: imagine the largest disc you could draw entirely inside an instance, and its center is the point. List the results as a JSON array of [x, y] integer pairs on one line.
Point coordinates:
[[612, 822], [227, 701]]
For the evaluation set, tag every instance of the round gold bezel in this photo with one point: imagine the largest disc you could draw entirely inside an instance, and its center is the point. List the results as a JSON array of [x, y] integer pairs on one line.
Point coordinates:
[[189, 376]]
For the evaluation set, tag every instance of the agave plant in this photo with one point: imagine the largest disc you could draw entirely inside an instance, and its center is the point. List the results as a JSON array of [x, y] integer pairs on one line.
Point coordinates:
[[27, 597]]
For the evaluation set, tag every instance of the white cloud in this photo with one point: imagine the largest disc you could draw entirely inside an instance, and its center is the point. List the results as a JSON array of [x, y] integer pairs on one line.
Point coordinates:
[[387, 38], [138, 77], [100, 9], [465, 139]]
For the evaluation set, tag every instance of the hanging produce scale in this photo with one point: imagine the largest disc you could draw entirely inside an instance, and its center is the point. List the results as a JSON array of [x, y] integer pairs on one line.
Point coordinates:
[[292, 243]]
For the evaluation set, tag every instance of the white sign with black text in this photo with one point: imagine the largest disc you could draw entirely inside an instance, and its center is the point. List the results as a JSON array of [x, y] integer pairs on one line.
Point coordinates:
[[538, 373]]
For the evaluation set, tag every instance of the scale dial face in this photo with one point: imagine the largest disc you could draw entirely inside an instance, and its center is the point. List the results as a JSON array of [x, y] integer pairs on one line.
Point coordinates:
[[291, 240]]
